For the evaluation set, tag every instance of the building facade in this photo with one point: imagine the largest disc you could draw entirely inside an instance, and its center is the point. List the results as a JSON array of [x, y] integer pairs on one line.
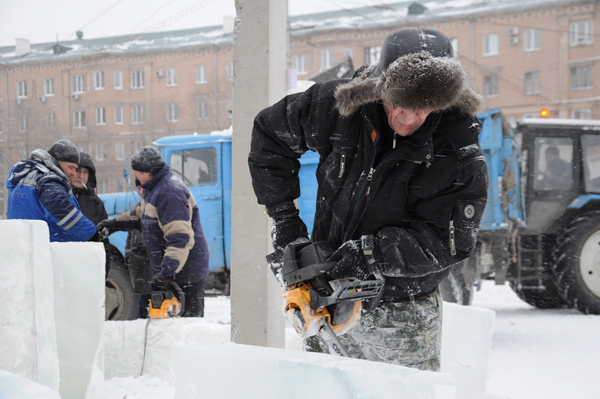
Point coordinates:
[[111, 96]]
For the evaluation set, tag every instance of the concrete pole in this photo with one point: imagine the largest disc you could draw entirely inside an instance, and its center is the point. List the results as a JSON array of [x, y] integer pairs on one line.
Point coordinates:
[[259, 60]]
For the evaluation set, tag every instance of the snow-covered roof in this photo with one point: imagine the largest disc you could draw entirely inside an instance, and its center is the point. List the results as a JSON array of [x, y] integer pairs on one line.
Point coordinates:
[[391, 15]]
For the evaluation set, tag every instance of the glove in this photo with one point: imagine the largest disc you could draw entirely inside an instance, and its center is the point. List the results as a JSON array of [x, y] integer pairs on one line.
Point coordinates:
[[287, 225], [161, 281], [107, 227], [352, 262], [96, 237], [275, 260]]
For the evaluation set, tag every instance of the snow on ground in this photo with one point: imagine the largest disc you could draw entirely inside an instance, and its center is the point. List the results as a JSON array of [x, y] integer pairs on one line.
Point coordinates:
[[549, 354]]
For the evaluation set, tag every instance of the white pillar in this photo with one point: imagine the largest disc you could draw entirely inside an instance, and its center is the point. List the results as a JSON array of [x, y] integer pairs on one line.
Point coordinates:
[[259, 62]]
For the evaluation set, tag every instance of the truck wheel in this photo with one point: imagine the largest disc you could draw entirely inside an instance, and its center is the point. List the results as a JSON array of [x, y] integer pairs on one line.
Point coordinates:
[[458, 286], [543, 294], [577, 263], [121, 302]]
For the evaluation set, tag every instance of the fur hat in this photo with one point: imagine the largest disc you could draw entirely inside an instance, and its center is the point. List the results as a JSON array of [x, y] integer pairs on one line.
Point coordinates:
[[64, 150], [147, 159], [417, 80]]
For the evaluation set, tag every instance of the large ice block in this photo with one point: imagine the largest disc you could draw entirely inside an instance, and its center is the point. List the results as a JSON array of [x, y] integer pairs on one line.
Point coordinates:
[[27, 326], [205, 370], [13, 386], [143, 347], [466, 345], [79, 274]]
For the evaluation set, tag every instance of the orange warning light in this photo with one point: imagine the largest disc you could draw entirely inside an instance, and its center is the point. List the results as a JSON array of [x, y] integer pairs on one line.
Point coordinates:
[[544, 113]]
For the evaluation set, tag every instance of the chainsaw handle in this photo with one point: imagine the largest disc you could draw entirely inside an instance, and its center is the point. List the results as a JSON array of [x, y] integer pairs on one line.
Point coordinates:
[[180, 294]]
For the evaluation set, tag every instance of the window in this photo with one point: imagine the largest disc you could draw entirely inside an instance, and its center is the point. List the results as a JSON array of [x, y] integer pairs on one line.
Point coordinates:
[[533, 40], [138, 116], [78, 84], [490, 44], [79, 119], [171, 77], [49, 87], [591, 162], [102, 186], [490, 86], [532, 82], [347, 52], [100, 116], [201, 110], [137, 79], [372, 55], [201, 74], [118, 115], [172, 115], [100, 151], [229, 71], [120, 151], [581, 33], [23, 123], [326, 58], [581, 78], [197, 167], [454, 44], [118, 80], [22, 89], [50, 121], [299, 62], [99, 80], [553, 164], [581, 113]]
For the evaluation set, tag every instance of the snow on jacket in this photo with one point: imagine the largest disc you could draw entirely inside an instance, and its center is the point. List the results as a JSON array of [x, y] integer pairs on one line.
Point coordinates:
[[91, 205], [170, 221], [38, 189], [411, 197]]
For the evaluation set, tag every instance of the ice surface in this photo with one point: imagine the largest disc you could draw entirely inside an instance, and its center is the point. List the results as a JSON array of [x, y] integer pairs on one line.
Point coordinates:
[[466, 346], [204, 370], [27, 327], [16, 387], [79, 310]]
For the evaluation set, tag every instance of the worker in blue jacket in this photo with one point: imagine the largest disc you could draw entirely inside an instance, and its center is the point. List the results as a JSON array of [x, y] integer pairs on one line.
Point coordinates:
[[169, 219], [39, 189]]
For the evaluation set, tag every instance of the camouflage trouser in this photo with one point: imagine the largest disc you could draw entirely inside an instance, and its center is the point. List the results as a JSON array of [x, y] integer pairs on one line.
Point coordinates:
[[393, 333]]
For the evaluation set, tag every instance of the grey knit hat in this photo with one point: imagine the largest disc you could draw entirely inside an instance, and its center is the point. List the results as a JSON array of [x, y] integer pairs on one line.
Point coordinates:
[[147, 159], [64, 150]]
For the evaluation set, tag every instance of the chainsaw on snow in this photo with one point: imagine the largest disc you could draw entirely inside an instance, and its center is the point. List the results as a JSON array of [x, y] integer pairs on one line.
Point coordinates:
[[315, 304]]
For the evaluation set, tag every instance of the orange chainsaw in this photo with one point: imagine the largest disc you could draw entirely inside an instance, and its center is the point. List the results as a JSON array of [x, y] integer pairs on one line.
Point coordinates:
[[169, 302], [315, 304]]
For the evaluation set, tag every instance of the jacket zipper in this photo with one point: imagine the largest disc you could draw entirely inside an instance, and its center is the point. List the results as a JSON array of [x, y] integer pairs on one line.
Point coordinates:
[[369, 179], [342, 166], [452, 241]]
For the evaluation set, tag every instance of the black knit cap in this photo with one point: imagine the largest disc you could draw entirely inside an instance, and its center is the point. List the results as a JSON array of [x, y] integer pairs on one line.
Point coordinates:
[[147, 159], [411, 41], [64, 150]]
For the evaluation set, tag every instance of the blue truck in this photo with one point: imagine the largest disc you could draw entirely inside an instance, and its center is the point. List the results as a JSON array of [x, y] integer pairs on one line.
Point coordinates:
[[531, 222]]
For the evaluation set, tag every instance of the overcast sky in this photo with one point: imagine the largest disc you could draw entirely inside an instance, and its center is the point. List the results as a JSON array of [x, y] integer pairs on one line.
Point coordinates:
[[43, 21]]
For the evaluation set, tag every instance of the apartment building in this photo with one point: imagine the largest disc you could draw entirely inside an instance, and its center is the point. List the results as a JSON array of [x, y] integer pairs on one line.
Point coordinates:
[[112, 95]]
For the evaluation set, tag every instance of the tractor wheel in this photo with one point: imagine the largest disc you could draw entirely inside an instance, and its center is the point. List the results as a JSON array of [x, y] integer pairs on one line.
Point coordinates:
[[121, 302], [458, 287], [576, 264], [543, 294]]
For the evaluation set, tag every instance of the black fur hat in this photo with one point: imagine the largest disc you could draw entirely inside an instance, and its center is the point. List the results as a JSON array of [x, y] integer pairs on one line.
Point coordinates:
[[416, 80]]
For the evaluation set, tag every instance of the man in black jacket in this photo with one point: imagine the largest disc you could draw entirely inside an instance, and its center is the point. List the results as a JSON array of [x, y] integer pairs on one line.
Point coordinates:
[[84, 189], [400, 165]]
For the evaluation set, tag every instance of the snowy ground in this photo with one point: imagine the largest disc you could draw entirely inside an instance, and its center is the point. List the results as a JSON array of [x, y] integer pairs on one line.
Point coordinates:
[[549, 354]]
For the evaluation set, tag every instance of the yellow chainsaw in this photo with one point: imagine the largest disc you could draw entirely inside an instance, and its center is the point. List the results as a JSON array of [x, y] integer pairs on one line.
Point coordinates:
[[315, 304]]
